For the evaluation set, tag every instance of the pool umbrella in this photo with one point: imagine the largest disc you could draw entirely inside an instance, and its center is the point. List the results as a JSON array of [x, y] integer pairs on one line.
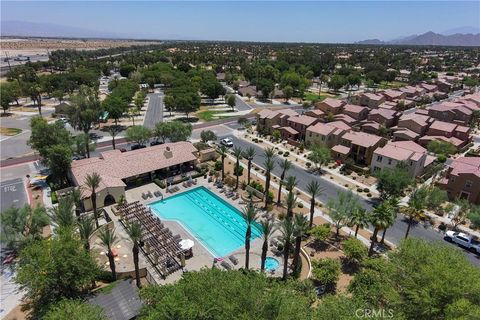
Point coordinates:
[[186, 244]]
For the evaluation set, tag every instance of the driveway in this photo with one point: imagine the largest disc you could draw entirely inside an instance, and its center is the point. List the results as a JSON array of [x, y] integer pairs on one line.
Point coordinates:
[[395, 234], [154, 111], [12, 194]]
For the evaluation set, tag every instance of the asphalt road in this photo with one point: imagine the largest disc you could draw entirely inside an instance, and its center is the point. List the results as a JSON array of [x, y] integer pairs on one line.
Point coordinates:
[[240, 104], [155, 110], [12, 194], [395, 233]]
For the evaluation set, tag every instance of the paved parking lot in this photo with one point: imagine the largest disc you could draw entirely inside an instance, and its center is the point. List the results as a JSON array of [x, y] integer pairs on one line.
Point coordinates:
[[12, 194]]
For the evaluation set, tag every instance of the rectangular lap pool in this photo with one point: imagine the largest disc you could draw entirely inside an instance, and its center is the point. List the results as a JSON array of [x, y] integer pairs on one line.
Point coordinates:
[[219, 226]]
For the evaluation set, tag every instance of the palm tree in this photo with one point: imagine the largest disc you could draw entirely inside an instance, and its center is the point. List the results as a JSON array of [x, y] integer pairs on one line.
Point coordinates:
[[268, 227], [269, 165], [92, 181], [76, 196], [395, 205], [414, 211], [250, 214], [86, 229], [237, 152], [300, 228], [359, 219], [223, 153], [285, 165], [291, 202], [380, 219], [287, 238], [108, 239], [314, 189], [134, 230], [290, 183], [62, 215], [113, 131], [249, 154]]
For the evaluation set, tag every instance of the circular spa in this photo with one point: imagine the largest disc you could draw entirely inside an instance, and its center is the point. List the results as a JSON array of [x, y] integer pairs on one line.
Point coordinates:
[[271, 264]]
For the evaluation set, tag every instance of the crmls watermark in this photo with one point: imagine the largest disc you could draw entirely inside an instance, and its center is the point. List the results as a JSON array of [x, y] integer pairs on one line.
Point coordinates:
[[374, 313]]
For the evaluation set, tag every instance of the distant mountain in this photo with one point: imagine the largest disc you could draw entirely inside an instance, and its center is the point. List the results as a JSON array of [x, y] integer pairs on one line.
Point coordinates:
[[432, 39], [462, 30], [33, 29]]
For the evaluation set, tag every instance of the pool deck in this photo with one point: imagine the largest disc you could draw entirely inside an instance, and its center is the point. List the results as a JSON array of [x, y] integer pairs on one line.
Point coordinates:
[[202, 258]]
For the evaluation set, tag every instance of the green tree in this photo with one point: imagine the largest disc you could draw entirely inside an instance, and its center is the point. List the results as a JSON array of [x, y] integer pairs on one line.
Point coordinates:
[[287, 237], [138, 134], [207, 135], [381, 219], [86, 228], [231, 101], [134, 231], [198, 296], [285, 165], [359, 218], [174, 131], [337, 82], [268, 227], [62, 216], [326, 271], [355, 250], [237, 153], [291, 203], [113, 131], [277, 135], [319, 155], [44, 135], [19, 225], [249, 154], [169, 102], [392, 182], [59, 159], [6, 97], [79, 144], [269, 165], [74, 309], [441, 147], [92, 181], [288, 92], [300, 229], [115, 106], [314, 190], [321, 232], [108, 238], [223, 154], [250, 215], [53, 269], [341, 209]]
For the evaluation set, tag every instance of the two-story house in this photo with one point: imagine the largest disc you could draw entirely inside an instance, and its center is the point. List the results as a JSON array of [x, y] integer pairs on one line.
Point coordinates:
[[326, 133], [267, 119], [301, 123], [462, 179], [360, 146], [329, 105], [355, 111]]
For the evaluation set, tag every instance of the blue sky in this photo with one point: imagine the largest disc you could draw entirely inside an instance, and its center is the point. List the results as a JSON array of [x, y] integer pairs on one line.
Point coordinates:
[[311, 21]]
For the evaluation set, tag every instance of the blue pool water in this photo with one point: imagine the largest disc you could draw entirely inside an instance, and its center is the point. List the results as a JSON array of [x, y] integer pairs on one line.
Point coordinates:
[[219, 226], [271, 264]]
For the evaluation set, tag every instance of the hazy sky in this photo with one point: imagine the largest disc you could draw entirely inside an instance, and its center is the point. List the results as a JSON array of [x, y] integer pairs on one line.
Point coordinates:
[[311, 21]]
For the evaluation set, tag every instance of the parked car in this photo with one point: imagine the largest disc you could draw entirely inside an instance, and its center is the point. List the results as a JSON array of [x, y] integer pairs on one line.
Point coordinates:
[[122, 150], [227, 142], [94, 136], [463, 240], [137, 146], [155, 143]]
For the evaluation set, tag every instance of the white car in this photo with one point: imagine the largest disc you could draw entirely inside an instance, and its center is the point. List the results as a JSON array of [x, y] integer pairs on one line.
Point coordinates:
[[227, 142], [463, 240]]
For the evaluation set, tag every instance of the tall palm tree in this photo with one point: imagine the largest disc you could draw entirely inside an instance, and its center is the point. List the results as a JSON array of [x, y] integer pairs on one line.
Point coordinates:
[[108, 239], [249, 154], [414, 211], [285, 165], [359, 219], [134, 231], [86, 229], [300, 228], [291, 202], [76, 196], [290, 183], [92, 181], [268, 227], [269, 165], [394, 202], [62, 215], [237, 152], [223, 153], [314, 189], [380, 219], [250, 215], [287, 238], [113, 131]]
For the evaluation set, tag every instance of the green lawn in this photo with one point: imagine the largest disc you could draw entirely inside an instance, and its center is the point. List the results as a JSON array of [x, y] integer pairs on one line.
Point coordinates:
[[10, 131], [392, 85], [210, 115], [312, 96]]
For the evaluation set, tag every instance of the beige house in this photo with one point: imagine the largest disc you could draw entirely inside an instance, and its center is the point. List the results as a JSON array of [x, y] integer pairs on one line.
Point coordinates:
[[415, 122], [370, 100], [330, 105], [361, 146], [267, 119], [328, 134], [119, 170]]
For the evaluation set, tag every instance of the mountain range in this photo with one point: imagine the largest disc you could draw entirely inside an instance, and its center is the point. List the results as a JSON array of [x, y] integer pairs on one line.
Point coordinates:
[[432, 39]]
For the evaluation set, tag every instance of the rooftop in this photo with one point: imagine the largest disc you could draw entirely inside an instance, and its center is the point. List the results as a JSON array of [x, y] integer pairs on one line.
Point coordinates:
[[465, 165], [362, 139], [303, 120]]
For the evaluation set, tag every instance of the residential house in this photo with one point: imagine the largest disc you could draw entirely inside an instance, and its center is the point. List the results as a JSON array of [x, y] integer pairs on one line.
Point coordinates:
[[404, 134], [370, 100], [451, 112], [360, 146], [447, 129], [393, 95], [248, 91], [386, 117], [266, 119], [414, 156], [428, 87], [355, 111], [462, 179], [475, 98], [413, 92], [326, 133], [415, 122], [370, 127], [346, 119], [444, 86], [316, 113], [330, 105], [301, 123]]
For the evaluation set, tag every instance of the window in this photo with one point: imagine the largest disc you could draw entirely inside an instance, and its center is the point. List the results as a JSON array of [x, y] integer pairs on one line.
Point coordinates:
[[379, 158], [376, 169], [468, 184], [411, 163], [389, 161], [323, 138]]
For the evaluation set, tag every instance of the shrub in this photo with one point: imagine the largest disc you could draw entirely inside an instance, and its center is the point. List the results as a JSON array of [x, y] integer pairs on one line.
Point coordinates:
[[442, 158], [355, 250], [218, 165], [257, 186], [366, 190], [321, 232], [354, 178], [280, 152], [286, 154], [369, 195], [238, 171], [442, 226], [359, 189], [308, 164], [346, 185], [160, 183], [54, 197], [326, 271], [300, 205]]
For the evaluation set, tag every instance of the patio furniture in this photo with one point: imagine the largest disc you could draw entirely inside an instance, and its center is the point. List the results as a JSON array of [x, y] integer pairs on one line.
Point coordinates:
[[236, 197], [226, 265], [233, 259]]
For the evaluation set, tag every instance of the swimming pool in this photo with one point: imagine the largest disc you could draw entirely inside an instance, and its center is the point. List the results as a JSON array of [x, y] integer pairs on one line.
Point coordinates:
[[271, 264], [219, 226]]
